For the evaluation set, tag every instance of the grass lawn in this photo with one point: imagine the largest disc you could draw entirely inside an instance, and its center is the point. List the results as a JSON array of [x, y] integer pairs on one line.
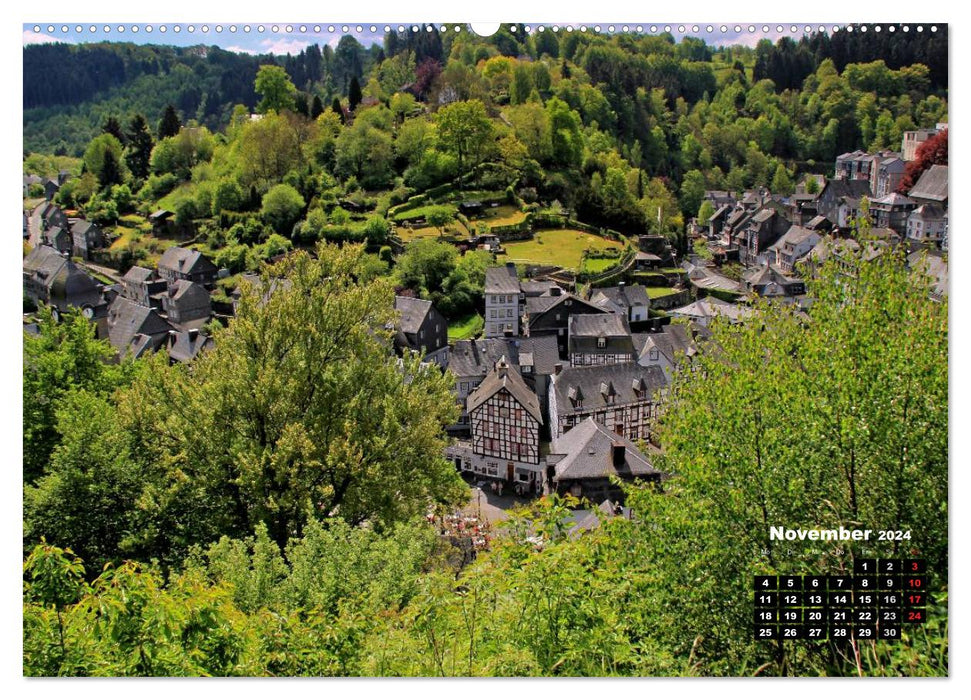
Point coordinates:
[[563, 247], [124, 237], [653, 292], [594, 266], [503, 215], [465, 327], [453, 230]]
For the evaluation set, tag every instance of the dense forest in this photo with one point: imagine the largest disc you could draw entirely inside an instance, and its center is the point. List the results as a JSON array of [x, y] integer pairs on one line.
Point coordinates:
[[265, 510]]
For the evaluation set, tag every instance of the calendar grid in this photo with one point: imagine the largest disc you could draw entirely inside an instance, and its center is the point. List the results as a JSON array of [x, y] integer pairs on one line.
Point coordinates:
[[874, 601]]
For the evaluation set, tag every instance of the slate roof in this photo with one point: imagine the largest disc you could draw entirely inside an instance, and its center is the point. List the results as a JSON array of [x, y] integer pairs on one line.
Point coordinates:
[[126, 320], [710, 307], [534, 288], [848, 188], [44, 262], [816, 222], [589, 383], [932, 184], [588, 451], [794, 236], [185, 345], [894, 199], [621, 299], [537, 307], [187, 292], [763, 215], [82, 226], [598, 325], [471, 358], [413, 312], [766, 274], [928, 212], [508, 378], [139, 274], [502, 280], [185, 261], [704, 278], [672, 340]]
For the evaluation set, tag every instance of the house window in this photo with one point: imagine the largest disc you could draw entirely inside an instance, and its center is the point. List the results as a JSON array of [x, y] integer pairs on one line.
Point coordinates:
[[557, 317], [492, 313], [601, 342], [653, 354]]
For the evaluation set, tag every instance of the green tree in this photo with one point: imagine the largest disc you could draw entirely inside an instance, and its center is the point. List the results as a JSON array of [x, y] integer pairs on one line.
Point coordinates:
[[354, 94], [282, 207], [275, 88], [440, 217], [61, 359], [705, 211], [103, 158], [169, 124], [782, 182], [465, 130], [692, 191], [139, 151], [567, 141], [425, 265], [300, 410]]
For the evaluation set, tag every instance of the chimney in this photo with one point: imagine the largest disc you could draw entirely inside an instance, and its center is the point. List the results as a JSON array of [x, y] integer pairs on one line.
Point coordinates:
[[557, 368], [193, 334], [621, 284], [556, 291], [619, 452]]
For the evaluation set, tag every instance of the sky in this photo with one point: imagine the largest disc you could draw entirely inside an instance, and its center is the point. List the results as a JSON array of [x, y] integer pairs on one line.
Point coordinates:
[[283, 38]]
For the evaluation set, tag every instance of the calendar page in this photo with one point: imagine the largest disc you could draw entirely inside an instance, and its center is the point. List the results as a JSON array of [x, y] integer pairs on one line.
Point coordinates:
[[525, 349]]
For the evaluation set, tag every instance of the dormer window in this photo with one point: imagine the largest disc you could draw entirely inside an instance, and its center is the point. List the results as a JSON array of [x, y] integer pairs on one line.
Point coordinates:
[[601, 342]]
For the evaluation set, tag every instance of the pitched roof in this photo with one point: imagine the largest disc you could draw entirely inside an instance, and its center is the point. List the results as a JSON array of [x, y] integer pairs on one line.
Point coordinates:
[[766, 274], [594, 383], [928, 212], [794, 236], [588, 451], [126, 319], [537, 307], [184, 260], [848, 188], [598, 325], [44, 262], [621, 298], [185, 345], [894, 199], [82, 226], [184, 290], [710, 307], [503, 376], [413, 312], [704, 278], [139, 274], [932, 184], [502, 280], [475, 358], [672, 340]]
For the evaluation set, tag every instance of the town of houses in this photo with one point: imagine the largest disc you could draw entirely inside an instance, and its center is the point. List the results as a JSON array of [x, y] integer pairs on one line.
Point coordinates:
[[563, 390]]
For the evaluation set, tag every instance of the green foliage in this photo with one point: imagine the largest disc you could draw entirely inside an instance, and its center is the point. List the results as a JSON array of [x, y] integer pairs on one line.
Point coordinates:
[[179, 154], [282, 207], [64, 358], [103, 158], [274, 87]]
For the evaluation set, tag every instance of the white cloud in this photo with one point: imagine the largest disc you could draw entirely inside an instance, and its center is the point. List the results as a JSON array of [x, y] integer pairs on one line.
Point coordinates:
[[283, 45], [242, 49], [32, 37]]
